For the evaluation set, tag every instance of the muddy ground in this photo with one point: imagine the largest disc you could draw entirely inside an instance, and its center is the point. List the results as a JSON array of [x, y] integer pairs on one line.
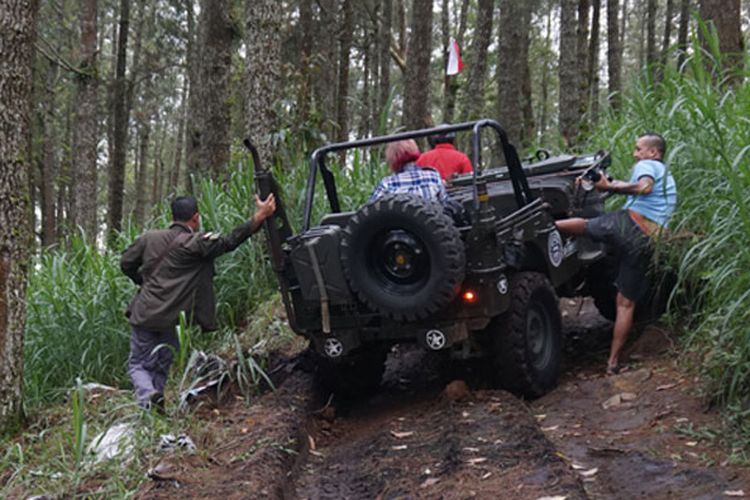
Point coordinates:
[[640, 434]]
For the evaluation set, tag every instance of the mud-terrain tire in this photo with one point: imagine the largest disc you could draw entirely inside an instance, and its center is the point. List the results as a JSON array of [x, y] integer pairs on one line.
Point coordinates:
[[355, 376], [527, 339], [403, 256]]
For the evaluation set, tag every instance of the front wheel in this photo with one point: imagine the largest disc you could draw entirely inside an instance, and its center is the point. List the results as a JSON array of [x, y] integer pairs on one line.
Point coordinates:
[[526, 340]]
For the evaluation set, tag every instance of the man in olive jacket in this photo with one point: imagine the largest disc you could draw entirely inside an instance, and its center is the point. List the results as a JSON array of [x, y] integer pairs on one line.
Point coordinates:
[[174, 269]]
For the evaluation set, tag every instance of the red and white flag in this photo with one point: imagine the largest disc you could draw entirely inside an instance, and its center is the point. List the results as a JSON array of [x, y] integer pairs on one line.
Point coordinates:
[[455, 64]]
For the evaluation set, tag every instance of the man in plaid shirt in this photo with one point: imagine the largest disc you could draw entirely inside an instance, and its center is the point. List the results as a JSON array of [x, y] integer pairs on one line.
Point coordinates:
[[407, 177]]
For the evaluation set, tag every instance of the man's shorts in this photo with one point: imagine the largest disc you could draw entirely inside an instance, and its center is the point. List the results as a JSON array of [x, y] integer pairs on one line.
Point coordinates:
[[621, 233]]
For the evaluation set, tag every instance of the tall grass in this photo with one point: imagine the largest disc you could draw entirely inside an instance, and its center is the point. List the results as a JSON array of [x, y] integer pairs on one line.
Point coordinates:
[[705, 122], [77, 296]]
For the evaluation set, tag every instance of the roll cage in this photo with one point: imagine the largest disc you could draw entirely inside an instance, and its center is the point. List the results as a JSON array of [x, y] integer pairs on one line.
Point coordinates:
[[521, 189]]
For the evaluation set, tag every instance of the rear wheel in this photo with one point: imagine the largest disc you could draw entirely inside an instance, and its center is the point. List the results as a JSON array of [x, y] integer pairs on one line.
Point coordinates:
[[526, 341]]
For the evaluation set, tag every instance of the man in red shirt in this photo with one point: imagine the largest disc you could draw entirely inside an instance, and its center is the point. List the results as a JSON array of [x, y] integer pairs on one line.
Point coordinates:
[[444, 157]]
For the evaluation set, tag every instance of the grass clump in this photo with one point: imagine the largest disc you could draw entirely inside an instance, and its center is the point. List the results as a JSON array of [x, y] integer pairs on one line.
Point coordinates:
[[704, 120]]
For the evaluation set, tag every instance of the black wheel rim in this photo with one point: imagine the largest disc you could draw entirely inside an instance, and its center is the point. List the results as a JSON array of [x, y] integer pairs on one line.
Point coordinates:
[[539, 336], [398, 260]]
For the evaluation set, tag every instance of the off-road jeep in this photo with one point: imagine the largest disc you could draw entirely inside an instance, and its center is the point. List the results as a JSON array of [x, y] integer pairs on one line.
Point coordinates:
[[401, 269]]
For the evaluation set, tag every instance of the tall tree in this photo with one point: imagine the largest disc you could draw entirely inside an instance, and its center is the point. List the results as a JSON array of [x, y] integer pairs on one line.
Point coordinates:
[[667, 39], [682, 34], [87, 130], [385, 36], [306, 47], [614, 53], [725, 17], [50, 157], [473, 100], [568, 71], [120, 126], [263, 72], [593, 59], [218, 33], [345, 46], [582, 49], [651, 55], [17, 23], [512, 58], [417, 93]]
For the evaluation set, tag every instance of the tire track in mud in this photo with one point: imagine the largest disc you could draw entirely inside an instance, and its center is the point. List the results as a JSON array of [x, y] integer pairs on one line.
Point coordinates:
[[412, 441]]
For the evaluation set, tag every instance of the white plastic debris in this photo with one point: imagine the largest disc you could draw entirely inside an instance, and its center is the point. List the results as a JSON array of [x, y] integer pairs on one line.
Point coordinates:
[[117, 441]]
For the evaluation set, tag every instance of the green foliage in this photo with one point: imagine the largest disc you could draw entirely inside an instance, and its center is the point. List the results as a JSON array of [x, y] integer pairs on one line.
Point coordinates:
[[704, 120]]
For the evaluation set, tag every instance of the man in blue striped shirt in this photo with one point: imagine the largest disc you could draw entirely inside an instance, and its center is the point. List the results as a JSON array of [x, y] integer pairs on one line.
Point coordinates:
[[407, 177]]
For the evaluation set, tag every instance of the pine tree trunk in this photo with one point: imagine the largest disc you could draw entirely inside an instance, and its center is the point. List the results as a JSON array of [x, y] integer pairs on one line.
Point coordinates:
[[325, 88], [593, 59], [17, 24], [614, 54], [417, 93], [651, 56], [682, 34], [569, 72], [50, 163], [527, 111], [345, 47], [194, 112], [306, 47], [174, 177], [144, 135], [263, 73], [545, 79], [582, 48], [725, 16], [117, 162], [473, 100], [511, 69], [667, 31], [215, 65], [87, 133], [384, 35]]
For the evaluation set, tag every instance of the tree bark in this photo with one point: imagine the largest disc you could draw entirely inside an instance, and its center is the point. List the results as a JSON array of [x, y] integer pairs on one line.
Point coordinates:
[[593, 72], [17, 24], [263, 73], [513, 40], [568, 73], [614, 54], [473, 101], [682, 35], [174, 178], [417, 93], [87, 130], [651, 55], [667, 31], [50, 161], [582, 49], [306, 47], [144, 135], [218, 35], [385, 37], [725, 16], [117, 163], [345, 46]]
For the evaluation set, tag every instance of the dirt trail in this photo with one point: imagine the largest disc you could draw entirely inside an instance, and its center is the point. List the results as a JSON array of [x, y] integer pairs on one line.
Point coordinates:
[[635, 435]]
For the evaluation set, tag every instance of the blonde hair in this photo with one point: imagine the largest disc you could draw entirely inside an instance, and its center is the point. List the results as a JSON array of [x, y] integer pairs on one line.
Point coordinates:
[[401, 152]]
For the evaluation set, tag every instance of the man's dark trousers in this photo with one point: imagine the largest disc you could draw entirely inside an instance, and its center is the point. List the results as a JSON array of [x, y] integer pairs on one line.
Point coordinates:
[[148, 369]]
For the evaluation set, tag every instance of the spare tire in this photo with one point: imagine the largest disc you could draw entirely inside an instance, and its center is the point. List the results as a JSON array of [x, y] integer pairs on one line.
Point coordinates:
[[403, 256]]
